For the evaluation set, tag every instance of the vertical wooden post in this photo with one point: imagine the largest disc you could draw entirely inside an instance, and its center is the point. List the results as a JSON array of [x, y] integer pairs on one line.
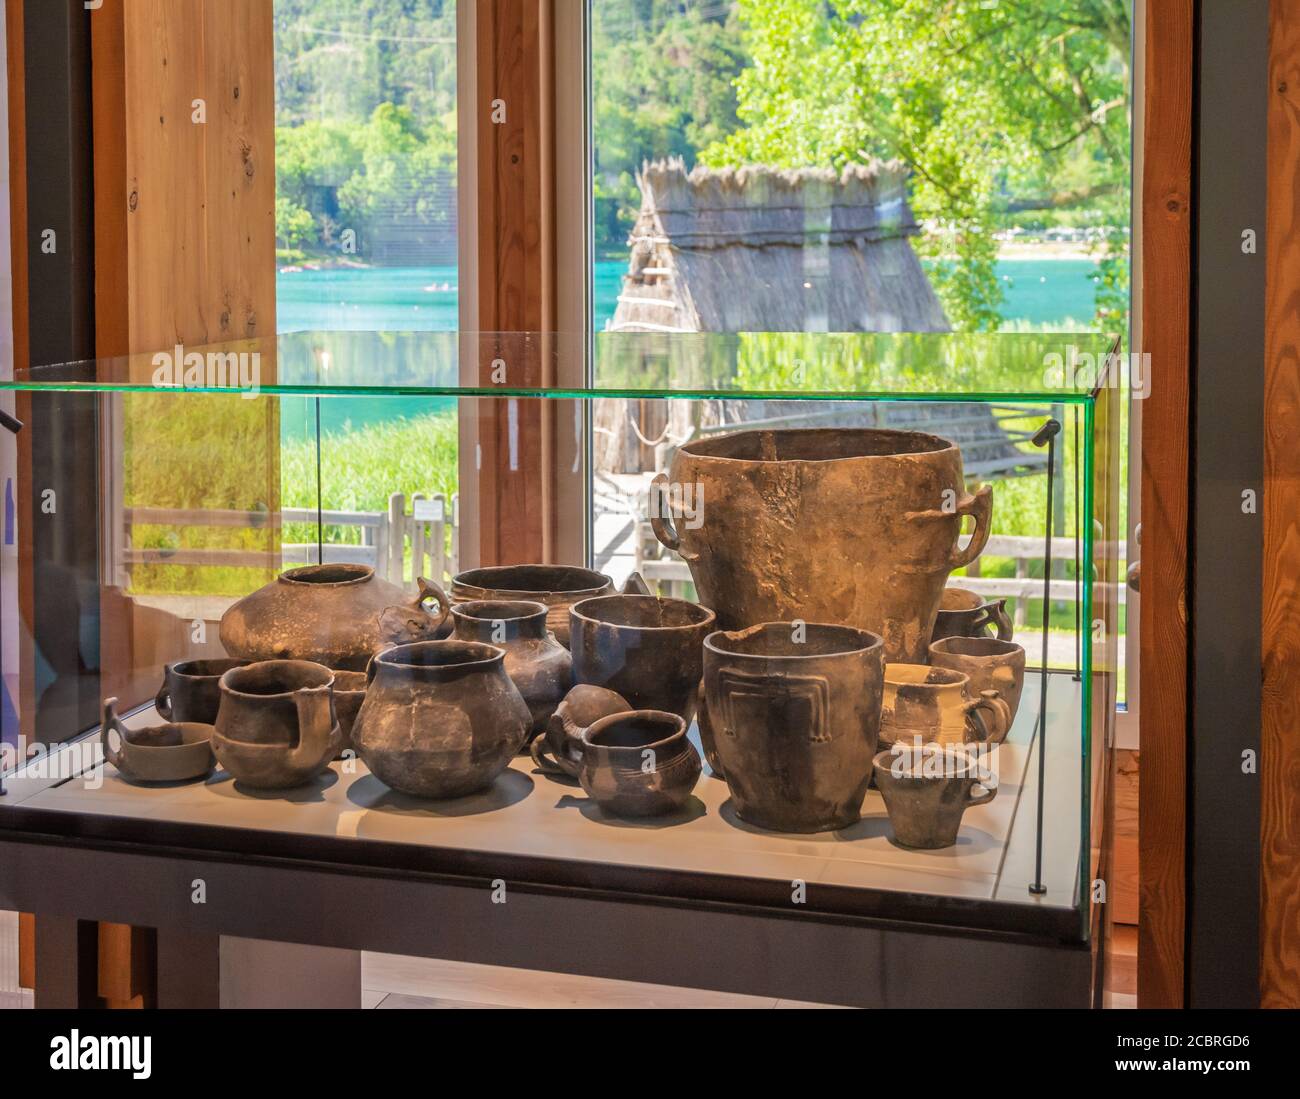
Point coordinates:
[[1279, 762], [516, 276], [1166, 329]]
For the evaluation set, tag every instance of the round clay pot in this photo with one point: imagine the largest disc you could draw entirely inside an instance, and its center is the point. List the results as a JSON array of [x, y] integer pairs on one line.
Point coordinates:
[[335, 615], [349, 694], [964, 613], [191, 690], [276, 727], [179, 751], [649, 650], [795, 712], [851, 525], [559, 751], [925, 705], [441, 719], [639, 764], [989, 664], [535, 662], [556, 586]]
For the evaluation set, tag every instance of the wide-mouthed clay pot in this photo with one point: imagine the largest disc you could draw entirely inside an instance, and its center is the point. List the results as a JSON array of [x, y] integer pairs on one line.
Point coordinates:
[[795, 712], [179, 751], [851, 525], [335, 615], [649, 650], [349, 694], [639, 764], [989, 664], [559, 750], [926, 791], [535, 662], [191, 690], [276, 727], [964, 613], [925, 705], [441, 719], [558, 587]]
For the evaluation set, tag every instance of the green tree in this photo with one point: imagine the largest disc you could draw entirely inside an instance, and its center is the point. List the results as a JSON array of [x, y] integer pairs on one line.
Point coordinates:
[[985, 103]]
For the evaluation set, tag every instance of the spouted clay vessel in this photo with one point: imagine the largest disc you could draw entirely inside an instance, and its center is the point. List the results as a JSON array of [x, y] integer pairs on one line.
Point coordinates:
[[335, 615]]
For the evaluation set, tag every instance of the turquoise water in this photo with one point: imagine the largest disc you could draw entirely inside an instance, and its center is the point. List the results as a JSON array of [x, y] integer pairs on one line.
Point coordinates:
[[1042, 293]]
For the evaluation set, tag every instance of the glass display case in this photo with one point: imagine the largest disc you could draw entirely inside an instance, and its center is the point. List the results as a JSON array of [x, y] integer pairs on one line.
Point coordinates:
[[742, 625]]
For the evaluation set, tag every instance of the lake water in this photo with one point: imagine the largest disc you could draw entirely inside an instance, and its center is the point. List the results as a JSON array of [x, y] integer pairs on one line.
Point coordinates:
[[1039, 292]]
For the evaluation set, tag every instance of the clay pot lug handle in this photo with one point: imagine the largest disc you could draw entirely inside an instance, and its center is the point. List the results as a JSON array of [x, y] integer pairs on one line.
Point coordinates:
[[980, 508], [114, 723], [993, 728], [665, 531], [431, 590], [162, 701]]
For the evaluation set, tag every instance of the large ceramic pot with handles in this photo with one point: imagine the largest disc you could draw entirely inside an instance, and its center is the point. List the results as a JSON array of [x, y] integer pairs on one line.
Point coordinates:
[[853, 525], [336, 615]]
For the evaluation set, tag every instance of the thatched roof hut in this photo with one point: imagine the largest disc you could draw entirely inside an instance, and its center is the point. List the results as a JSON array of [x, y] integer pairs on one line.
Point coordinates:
[[761, 250]]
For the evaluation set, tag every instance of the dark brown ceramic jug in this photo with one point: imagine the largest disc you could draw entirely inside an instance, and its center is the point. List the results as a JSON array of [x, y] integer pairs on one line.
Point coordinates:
[[335, 615], [441, 719]]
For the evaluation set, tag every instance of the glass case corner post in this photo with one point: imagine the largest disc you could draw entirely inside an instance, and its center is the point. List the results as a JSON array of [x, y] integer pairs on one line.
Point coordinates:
[[13, 426], [1045, 436]]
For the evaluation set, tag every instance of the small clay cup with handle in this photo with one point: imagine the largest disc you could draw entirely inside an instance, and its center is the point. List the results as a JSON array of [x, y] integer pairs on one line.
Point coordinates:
[[175, 752], [964, 613], [191, 690], [927, 789], [989, 664], [639, 764], [935, 705]]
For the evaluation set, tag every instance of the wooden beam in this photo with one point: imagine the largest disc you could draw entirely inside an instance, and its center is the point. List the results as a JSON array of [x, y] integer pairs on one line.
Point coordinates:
[[516, 283], [1279, 763], [1166, 328]]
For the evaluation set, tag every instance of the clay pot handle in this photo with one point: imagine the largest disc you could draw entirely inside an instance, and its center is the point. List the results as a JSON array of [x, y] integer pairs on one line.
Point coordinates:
[[980, 508], [993, 728], [430, 590], [990, 792], [162, 701], [315, 723], [998, 617], [114, 723], [665, 531]]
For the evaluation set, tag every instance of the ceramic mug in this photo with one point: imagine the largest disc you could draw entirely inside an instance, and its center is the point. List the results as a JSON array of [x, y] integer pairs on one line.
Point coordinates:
[[927, 789], [964, 613], [559, 749], [639, 764], [175, 752], [935, 705], [191, 690], [989, 664]]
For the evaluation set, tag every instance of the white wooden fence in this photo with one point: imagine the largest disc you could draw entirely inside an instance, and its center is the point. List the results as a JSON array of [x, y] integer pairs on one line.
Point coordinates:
[[412, 538]]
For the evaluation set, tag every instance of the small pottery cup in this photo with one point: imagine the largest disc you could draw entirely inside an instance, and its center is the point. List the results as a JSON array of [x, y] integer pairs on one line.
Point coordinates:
[[794, 713], [989, 664], [639, 764], [649, 650], [926, 791], [933, 705], [559, 751], [176, 752], [964, 613], [556, 586], [349, 694], [191, 690], [276, 728], [535, 662]]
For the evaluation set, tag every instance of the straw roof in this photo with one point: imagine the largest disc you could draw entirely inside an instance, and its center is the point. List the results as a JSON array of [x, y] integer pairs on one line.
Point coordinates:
[[757, 249]]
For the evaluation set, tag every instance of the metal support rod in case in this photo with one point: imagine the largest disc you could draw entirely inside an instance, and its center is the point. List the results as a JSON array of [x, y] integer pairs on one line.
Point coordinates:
[[1045, 436]]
